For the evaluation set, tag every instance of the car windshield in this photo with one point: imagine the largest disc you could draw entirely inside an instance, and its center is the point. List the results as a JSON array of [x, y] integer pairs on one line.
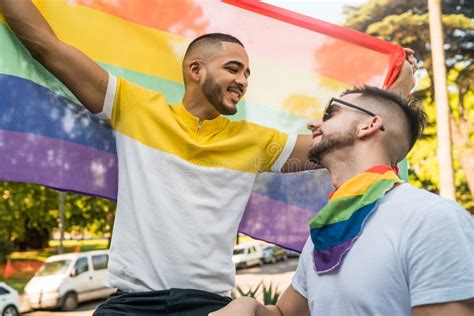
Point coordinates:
[[239, 251], [54, 267]]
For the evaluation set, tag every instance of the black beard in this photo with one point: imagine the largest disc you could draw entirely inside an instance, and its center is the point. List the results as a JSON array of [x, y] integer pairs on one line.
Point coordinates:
[[213, 93], [330, 143]]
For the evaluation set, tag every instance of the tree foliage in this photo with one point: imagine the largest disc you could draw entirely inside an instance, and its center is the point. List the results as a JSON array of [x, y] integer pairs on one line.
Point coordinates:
[[29, 213], [406, 23], [361, 17]]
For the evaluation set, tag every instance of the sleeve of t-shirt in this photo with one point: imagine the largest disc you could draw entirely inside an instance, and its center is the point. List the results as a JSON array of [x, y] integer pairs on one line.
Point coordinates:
[[279, 149], [440, 255], [269, 147], [126, 100], [299, 281]]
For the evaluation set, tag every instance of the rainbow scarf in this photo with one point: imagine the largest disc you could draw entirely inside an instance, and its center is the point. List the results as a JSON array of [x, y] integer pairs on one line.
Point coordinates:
[[338, 225]]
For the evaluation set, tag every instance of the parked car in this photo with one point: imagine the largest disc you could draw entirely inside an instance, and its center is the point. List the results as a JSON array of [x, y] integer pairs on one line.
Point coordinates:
[[246, 255], [66, 280], [272, 254], [9, 302], [292, 254]]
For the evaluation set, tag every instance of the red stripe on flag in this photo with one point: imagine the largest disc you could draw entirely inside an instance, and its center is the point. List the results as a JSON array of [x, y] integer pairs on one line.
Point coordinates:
[[380, 169], [272, 33]]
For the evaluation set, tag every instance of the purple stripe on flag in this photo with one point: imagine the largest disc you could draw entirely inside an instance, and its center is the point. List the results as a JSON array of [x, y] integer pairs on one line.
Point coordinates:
[[326, 260], [279, 223], [57, 164]]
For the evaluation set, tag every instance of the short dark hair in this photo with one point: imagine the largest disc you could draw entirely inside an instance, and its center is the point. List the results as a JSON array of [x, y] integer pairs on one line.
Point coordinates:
[[212, 38], [416, 117]]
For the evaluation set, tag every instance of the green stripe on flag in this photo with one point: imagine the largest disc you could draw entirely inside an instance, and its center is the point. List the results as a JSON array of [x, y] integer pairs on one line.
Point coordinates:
[[15, 60]]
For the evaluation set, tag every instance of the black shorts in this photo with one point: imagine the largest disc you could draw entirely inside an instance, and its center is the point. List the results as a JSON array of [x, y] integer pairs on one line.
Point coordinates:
[[173, 302]]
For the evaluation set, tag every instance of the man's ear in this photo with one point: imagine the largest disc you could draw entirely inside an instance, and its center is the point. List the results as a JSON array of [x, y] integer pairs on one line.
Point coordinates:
[[195, 70], [369, 126]]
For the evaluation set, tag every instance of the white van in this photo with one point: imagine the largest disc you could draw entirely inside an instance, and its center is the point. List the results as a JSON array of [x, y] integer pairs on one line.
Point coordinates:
[[66, 280], [246, 255]]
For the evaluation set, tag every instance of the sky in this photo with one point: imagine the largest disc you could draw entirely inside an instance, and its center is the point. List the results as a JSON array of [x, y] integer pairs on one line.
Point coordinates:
[[327, 10]]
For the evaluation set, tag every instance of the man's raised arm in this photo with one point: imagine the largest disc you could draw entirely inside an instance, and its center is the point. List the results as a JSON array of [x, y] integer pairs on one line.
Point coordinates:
[[79, 73]]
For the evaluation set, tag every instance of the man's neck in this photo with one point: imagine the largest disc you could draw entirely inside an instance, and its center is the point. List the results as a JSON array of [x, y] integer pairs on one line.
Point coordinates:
[[199, 107], [344, 166]]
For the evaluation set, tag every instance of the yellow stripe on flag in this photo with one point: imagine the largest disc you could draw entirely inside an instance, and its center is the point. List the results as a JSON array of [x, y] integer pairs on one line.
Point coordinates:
[[361, 186], [114, 41]]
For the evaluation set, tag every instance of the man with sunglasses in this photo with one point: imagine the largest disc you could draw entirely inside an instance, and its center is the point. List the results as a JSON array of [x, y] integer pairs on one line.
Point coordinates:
[[379, 246], [335, 102]]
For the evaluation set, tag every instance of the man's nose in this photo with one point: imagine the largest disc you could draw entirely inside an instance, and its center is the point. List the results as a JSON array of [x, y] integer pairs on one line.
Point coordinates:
[[242, 80], [314, 124]]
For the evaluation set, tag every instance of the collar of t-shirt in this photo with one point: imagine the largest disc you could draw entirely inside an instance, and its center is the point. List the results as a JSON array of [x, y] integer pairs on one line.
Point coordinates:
[[193, 123]]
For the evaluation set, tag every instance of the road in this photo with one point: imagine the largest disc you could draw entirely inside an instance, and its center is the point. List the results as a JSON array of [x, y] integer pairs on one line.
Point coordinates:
[[279, 274]]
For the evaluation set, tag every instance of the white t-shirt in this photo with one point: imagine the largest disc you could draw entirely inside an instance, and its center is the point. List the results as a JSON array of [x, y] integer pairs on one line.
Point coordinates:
[[416, 249]]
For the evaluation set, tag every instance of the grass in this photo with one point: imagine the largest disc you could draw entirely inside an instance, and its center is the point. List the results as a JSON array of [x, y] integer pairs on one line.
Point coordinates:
[[83, 245], [19, 278], [33, 255]]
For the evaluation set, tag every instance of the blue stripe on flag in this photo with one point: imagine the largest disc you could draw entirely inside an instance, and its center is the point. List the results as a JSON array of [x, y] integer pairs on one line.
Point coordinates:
[[337, 233], [27, 107]]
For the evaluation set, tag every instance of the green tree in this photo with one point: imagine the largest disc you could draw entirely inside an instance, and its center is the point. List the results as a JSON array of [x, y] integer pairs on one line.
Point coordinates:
[[91, 214], [29, 214], [26, 214], [406, 23]]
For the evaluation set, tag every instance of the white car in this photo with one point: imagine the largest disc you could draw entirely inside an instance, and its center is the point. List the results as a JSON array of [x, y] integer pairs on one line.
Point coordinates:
[[66, 280], [9, 302], [246, 255]]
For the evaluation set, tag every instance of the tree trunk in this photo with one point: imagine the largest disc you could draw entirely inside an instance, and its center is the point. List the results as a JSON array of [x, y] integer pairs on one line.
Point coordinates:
[[461, 140], [441, 98], [34, 239], [110, 220]]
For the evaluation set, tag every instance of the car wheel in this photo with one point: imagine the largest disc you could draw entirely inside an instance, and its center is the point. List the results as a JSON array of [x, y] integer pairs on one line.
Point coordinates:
[[70, 302], [285, 257], [274, 260], [10, 310]]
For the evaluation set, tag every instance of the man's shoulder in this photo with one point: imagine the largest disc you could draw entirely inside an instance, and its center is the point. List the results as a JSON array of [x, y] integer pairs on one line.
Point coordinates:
[[134, 89], [415, 202], [408, 194]]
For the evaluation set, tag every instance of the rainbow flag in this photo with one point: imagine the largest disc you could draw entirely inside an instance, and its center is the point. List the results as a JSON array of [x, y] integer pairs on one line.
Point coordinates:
[[338, 225], [298, 63]]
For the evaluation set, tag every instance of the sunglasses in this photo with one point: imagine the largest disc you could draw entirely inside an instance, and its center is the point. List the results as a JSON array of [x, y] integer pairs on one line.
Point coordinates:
[[327, 111]]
